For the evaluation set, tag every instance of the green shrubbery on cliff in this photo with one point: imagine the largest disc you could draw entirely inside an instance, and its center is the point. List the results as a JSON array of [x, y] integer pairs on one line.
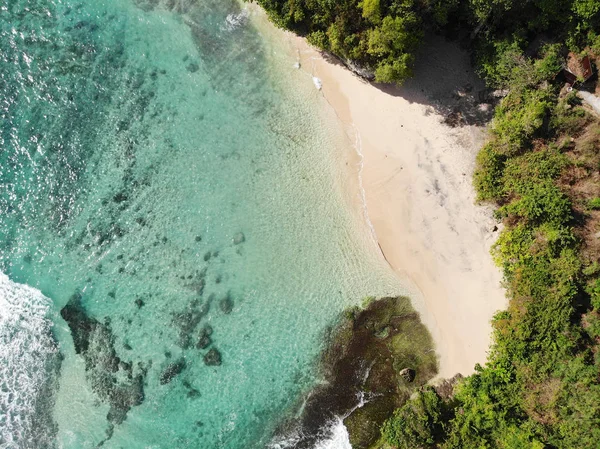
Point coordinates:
[[381, 36], [540, 387]]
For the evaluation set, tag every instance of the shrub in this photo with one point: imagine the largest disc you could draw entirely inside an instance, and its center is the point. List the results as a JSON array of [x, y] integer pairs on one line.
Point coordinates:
[[519, 119], [594, 204], [538, 203], [371, 10], [487, 178], [394, 70], [318, 39], [418, 424]]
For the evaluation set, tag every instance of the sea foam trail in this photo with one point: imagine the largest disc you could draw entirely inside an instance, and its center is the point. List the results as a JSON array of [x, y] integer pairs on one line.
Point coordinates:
[[28, 363], [337, 438]]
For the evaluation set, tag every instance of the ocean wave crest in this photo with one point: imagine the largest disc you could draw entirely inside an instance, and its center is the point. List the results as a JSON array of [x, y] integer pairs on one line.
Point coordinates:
[[29, 361], [333, 436]]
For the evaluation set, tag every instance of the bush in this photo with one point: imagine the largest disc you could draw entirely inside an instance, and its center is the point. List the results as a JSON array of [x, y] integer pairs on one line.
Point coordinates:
[[519, 119], [594, 204], [418, 424], [539, 203], [378, 35], [487, 178], [371, 10]]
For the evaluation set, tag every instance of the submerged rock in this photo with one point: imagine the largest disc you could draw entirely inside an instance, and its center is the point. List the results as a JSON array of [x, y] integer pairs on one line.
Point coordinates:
[[193, 67], [212, 358], [188, 320], [204, 338], [239, 238], [192, 392], [80, 324], [113, 380], [171, 371], [226, 305]]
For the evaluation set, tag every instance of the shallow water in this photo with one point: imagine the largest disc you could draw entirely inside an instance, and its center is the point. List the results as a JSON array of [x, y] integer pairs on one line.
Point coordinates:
[[165, 166]]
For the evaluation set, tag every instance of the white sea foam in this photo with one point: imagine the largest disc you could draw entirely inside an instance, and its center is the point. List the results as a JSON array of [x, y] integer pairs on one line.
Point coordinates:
[[339, 438], [233, 21], [27, 354]]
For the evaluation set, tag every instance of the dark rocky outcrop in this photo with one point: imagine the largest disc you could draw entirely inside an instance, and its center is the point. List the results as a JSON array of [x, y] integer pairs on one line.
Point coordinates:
[[226, 304], [118, 383], [407, 374], [171, 371], [212, 358], [445, 388], [188, 320], [362, 365]]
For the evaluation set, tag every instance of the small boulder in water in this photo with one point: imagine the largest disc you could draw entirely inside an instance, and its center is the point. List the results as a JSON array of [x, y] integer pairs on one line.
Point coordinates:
[[212, 358], [193, 67], [204, 340], [171, 371], [226, 305], [239, 238]]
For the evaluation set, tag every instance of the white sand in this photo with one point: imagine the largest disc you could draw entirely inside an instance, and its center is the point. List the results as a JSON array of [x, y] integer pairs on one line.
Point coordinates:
[[416, 174]]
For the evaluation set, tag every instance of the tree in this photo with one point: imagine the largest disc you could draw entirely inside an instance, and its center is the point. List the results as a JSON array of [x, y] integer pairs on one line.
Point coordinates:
[[418, 424], [371, 10]]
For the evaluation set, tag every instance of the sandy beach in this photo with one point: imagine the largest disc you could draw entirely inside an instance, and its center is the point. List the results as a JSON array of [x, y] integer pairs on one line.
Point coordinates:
[[416, 148], [416, 174]]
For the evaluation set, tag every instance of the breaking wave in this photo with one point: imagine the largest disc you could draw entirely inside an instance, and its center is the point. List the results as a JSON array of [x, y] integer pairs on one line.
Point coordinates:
[[29, 361], [334, 436]]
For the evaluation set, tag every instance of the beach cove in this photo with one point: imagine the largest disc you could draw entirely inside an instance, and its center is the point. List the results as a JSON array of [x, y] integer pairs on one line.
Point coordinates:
[[187, 216], [414, 179]]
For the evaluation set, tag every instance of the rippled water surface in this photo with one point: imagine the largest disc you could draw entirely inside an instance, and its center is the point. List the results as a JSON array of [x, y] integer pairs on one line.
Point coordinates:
[[170, 191]]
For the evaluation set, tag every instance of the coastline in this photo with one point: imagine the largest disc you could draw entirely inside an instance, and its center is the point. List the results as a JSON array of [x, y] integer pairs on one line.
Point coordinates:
[[414, 175]]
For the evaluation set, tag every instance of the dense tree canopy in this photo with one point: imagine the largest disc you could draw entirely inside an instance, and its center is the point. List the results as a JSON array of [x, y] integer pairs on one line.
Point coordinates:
[[383, 35]]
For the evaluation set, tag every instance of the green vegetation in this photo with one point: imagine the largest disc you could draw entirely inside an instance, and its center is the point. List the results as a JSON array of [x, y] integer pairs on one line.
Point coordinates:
[[380, 36], [540, 387], [419, 423]]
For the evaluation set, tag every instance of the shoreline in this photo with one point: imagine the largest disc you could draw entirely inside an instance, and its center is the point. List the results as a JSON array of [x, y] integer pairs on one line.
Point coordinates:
[[418, 198], [421, 204]]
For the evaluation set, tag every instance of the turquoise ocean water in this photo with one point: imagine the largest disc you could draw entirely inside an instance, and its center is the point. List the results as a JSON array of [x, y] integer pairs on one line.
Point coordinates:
[[167, 175]]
